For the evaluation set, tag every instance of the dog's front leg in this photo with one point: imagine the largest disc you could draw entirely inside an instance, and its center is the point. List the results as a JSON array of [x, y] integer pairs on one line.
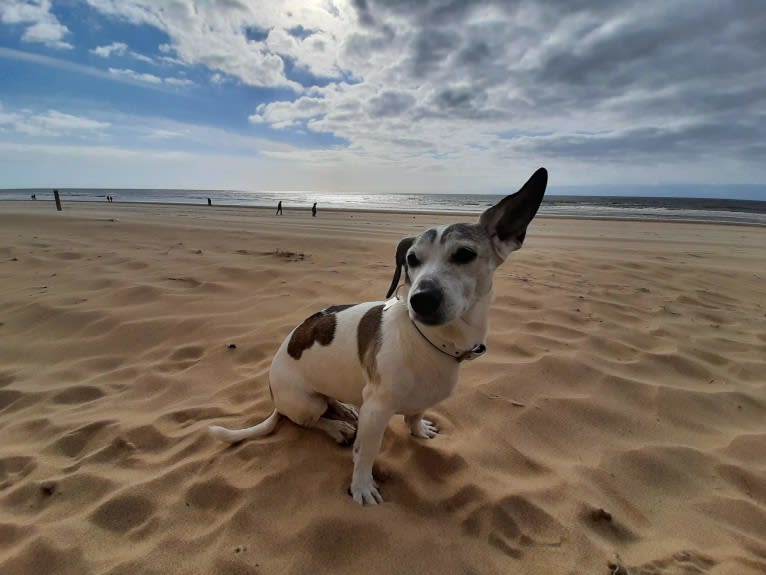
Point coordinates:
[[420, 427], [373, 419]]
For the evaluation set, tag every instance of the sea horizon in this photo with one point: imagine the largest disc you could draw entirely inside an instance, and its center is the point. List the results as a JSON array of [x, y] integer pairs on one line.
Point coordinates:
[[637, 207]]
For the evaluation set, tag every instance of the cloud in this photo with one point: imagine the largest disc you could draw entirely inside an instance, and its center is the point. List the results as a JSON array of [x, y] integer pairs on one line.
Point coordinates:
[[141, 57], [68, 66], [132, 151], [25, 130], [50, 123], [218, 36], [137, 76], [59, 121], [178, 81], [144, 77], [458, 85], [390, 103], [599, 81], [118, 48], [41, 26], [284, 114]]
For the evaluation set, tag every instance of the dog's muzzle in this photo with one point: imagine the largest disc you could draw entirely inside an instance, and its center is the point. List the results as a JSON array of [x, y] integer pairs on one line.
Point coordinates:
[[427, 305]]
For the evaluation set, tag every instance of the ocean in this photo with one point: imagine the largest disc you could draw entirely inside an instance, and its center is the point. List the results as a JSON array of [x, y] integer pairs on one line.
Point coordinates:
[[649, 208]]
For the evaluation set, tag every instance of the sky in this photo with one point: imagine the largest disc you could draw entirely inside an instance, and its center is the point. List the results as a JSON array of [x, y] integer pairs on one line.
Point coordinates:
[[443, 96]]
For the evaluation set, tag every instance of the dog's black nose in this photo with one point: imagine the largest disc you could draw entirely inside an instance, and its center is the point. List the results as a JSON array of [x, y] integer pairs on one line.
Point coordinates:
[[426, 302]]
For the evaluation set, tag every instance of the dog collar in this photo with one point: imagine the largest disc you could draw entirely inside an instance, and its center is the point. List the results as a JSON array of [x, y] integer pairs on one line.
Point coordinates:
[[458, 356], [473, 353]]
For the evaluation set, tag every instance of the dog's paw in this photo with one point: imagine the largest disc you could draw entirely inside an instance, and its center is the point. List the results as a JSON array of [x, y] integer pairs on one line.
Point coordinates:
[[365, 493], [343, 411], [342, 432], [424, 429]]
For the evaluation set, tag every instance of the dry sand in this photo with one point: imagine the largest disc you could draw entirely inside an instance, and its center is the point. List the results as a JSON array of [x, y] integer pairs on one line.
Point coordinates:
[[620, 409]]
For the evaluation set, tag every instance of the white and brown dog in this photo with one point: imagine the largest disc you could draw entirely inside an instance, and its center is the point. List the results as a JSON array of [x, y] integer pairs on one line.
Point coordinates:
[[399, 356]]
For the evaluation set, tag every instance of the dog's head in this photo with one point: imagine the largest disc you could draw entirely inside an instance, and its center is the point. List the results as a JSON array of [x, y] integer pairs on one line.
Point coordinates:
[[449, 268]]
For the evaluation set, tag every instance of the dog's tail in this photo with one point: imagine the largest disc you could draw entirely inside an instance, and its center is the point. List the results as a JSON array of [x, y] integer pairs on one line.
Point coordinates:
[[234, 435]]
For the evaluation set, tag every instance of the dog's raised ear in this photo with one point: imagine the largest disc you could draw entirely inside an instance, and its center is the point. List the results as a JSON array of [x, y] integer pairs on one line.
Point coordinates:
[[506, 222], [401, 261]]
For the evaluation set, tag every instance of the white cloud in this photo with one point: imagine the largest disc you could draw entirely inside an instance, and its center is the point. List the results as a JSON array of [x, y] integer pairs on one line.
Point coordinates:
[[141, 57], [316, 52], [50, 123], [130, 151], [284, 114], [144, 77], [178, 81], [137, 76], [557, 81], [88, 152], [73, 67], [127, 131], [220, 36], [161, 134], [41, 25], [120, 49], [106, 51], [65, 122], [461, 86]]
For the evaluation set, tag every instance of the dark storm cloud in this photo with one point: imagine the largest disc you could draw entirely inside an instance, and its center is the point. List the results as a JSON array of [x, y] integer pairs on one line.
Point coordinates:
[[642, 144], [390, 104], [363, 12], [431, 48], [654, 49], [474, 53], [684, 78], [463, 102]]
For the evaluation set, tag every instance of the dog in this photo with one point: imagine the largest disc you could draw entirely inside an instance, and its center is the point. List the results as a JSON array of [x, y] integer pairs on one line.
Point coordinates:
[[399, 356]]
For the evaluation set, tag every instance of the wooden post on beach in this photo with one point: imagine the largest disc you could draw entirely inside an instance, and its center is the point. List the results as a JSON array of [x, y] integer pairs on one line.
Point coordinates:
[[58, 200]]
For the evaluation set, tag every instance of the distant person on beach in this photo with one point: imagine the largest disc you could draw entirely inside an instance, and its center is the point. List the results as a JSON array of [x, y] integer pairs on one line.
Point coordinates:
[[279, 209], [314, 210], [34, 196]]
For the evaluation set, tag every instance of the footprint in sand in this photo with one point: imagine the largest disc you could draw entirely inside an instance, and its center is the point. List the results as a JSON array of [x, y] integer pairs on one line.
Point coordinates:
[[78, 394], [514, 523], [123, 513]]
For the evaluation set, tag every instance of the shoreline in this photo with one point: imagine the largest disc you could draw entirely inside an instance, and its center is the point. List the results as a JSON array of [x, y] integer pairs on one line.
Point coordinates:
[[391, 212]]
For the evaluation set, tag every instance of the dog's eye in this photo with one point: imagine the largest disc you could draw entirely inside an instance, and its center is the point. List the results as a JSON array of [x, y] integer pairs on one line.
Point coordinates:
[[463, 256], [413, 261]]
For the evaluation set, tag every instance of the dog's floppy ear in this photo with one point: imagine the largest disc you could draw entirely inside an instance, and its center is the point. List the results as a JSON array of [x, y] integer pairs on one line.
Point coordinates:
[[506, 222], [401, 261]]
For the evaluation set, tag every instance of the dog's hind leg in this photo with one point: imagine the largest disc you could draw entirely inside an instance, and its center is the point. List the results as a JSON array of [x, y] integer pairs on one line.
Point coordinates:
[[343, 411], [342, 432], [313, 410]]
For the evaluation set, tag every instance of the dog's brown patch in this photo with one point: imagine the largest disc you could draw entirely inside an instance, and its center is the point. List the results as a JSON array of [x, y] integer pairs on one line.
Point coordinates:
[[319, 327], [338, 308], [369, 340]]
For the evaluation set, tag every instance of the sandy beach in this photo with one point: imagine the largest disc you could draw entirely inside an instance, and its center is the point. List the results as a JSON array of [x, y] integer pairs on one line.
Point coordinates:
[[617, 423]]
